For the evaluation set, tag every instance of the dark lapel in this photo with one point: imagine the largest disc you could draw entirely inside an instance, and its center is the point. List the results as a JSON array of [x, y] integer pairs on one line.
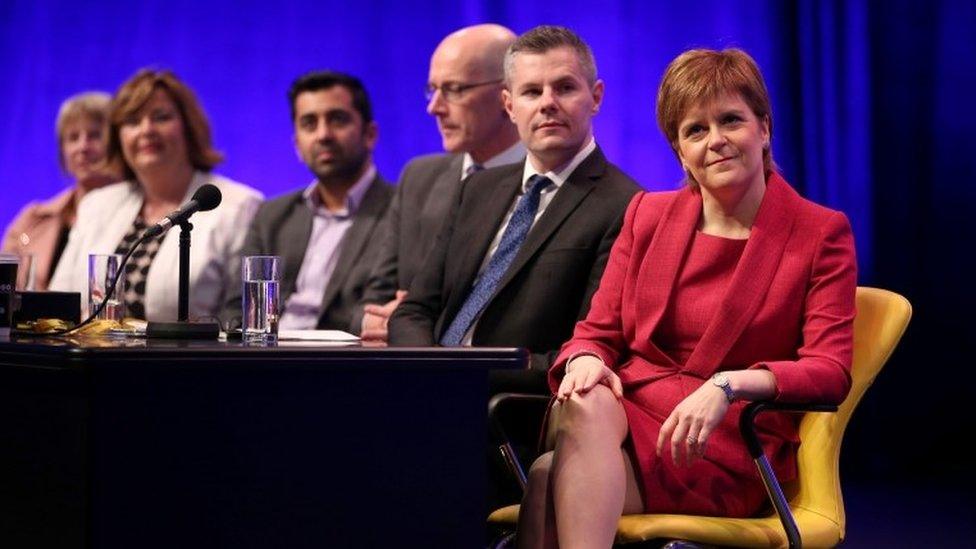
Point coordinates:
[[442, 194], [476, 233], [579, 184], [370, 210], [296, 230], [450, 177], [753, 275]]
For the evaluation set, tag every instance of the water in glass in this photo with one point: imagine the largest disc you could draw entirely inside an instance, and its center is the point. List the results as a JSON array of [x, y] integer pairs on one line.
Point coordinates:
[[260, 302]]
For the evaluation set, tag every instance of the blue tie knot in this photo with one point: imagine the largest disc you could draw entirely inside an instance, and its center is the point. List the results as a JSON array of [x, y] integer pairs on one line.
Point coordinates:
[[472, 169], [538, 183]]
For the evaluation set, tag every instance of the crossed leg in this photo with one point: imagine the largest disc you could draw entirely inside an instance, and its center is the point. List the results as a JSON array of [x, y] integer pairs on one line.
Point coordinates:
[[576, 493]]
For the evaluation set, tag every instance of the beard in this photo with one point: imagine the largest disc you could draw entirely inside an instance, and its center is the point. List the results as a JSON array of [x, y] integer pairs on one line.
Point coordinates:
[[342, 169]]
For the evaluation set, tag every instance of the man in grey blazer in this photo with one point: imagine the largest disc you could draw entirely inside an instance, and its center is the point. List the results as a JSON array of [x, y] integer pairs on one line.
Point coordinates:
[[464, 96], [325, 233], [525, 245]]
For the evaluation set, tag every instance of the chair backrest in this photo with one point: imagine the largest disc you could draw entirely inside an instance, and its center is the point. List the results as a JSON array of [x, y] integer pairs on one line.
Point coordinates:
[[882, 318]]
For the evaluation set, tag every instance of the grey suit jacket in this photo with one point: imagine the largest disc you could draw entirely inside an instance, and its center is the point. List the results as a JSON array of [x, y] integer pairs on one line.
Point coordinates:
[[427, 189], [283, 227], [548, 286]]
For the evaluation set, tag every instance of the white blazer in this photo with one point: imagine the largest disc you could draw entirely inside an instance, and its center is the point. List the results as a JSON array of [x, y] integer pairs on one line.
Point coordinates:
[[106, 214]]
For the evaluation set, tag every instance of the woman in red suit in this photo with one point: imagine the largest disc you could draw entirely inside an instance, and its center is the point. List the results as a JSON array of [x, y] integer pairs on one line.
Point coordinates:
[[731, 289]]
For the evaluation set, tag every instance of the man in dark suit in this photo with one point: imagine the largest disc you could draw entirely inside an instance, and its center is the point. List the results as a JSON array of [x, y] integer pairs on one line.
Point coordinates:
[[525, 246], [326, 233], [464, 96]]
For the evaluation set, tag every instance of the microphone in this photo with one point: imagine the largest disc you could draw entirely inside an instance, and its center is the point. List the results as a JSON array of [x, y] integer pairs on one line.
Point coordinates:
[[205, 199]]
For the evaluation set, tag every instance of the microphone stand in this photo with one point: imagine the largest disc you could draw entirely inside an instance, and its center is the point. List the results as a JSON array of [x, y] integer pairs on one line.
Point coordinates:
[[184, 309], [183, 328]]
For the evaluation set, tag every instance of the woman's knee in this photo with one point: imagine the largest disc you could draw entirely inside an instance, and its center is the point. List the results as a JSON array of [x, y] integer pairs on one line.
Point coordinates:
[[597, 404], [597, 409], [541, 466]]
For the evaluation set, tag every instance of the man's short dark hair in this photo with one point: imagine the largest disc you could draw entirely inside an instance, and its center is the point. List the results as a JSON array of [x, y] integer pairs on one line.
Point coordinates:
[[323, 80], [549, 37]]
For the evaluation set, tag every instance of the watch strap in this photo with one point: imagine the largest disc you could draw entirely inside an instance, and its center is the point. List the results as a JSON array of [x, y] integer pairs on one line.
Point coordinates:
[[726, 387]]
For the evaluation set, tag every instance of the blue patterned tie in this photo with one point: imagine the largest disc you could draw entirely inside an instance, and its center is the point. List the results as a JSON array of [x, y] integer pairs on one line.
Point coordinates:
[[518, 227]]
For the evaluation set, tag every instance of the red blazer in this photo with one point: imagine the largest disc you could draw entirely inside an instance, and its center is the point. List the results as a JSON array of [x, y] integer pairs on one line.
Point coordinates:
[[789, 308]]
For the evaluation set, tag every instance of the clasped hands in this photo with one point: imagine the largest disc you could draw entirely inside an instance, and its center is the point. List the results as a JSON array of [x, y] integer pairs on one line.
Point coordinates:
[[376, 319], [688, 426]]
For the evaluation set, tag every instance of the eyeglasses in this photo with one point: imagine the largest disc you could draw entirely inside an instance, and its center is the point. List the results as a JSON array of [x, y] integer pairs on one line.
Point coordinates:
[[453, 92]]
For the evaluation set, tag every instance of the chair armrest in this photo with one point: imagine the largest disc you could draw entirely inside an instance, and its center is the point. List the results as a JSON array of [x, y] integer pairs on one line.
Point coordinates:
[[747, 427], [503, 401], [496, 407], [747, 420]]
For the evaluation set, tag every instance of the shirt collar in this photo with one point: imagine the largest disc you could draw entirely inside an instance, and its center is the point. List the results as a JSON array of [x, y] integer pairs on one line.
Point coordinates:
[[560, 177], [353, 198], [511, 155]]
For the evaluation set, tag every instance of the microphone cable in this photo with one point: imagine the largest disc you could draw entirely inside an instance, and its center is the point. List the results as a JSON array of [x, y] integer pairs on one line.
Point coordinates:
[[101, 306]]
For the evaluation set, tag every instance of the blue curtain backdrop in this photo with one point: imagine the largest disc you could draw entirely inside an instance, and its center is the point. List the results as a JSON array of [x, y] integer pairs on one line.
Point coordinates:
[[872, 105], [241, 56]]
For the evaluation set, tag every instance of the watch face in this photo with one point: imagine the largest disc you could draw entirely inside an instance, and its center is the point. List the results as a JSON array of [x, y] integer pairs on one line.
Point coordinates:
[[722, 381]]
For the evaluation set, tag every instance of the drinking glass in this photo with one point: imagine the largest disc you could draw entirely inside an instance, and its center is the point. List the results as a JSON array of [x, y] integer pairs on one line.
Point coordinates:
[[26, 273], [260, 275], [102, 269], [8, 282]]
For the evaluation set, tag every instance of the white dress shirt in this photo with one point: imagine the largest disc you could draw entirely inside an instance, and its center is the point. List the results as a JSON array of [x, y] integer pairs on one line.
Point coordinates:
[[511, 155], [558, 177]]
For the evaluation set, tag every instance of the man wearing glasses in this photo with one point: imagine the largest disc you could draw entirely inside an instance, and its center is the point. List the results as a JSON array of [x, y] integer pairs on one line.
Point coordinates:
[[525, 244], [464, 96]]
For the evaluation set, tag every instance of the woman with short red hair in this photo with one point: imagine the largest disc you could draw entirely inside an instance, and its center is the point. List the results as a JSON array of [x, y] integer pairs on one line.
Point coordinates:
[[733, 288]]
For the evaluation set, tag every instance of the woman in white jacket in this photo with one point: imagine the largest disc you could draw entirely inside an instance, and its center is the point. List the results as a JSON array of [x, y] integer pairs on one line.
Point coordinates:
[[160, 139]]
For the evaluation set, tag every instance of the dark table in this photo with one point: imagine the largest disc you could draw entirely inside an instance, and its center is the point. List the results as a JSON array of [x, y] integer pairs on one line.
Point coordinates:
[[128, 443]]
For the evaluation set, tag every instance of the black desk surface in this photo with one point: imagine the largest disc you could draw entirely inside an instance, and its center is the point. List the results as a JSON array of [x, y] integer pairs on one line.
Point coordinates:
[[86, 350], [135, 443]]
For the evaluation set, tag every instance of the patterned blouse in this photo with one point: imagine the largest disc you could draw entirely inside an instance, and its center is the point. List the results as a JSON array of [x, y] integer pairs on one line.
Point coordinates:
[[137, 269]]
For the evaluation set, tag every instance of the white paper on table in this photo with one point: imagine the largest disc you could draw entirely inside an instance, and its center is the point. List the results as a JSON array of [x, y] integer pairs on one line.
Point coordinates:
[[315, 335], [316, 344]]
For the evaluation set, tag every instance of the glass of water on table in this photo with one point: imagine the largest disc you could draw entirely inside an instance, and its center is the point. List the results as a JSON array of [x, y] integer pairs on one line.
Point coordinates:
[[102, 270], [260, 275]]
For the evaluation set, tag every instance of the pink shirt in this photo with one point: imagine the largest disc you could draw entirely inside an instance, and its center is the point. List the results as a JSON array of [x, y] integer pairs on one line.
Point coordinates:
[[303, 308], [35, 232]]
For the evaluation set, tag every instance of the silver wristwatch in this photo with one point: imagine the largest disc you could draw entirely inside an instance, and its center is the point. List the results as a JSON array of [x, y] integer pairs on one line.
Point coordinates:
[[721, 381]]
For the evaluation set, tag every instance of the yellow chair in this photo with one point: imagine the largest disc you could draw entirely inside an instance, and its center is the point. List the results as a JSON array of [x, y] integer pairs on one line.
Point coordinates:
[[813, 503]]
